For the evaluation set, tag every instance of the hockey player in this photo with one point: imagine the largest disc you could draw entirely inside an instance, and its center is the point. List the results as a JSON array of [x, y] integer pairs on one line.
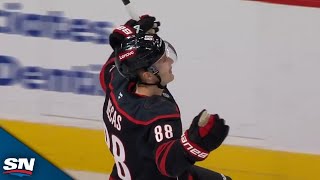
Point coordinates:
[[143, 122]]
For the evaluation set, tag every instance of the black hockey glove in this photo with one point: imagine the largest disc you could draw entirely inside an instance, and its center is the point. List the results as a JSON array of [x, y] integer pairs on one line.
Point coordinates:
[[206, 133], [146, 24]]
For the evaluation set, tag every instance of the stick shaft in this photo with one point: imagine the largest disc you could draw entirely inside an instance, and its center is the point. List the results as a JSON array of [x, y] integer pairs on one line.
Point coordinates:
[[130, 10]]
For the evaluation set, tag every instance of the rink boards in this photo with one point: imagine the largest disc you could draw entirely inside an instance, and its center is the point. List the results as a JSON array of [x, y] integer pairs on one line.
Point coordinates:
[[85, 150]]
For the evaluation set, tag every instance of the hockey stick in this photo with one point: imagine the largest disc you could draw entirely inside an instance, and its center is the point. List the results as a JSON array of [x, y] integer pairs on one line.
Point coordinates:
[[130, 10], [135, 16], [204, 118]]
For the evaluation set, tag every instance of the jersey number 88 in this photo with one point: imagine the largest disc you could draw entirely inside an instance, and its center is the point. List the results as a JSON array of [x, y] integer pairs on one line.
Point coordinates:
[[118, 155], [159, 134]]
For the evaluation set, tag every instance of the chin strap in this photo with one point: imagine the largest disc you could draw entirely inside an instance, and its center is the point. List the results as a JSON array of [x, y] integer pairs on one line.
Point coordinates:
[[154, 71], [158, 84]]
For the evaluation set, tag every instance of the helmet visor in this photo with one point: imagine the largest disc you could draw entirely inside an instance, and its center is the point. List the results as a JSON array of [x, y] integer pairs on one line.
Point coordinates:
[[170, 52]]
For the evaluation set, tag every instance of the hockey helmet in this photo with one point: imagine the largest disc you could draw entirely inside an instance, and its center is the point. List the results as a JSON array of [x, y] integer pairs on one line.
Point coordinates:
[[141, 51]]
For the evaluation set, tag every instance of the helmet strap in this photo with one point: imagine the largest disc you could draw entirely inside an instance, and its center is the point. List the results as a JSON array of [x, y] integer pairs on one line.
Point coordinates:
[[154, 71], [158, 84]]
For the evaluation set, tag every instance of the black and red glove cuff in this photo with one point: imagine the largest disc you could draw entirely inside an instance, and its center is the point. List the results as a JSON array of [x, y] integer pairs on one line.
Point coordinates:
[[194, 151]]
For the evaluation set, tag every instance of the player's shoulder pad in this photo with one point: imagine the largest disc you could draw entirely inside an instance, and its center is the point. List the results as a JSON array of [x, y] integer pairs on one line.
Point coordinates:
[[160, 106]]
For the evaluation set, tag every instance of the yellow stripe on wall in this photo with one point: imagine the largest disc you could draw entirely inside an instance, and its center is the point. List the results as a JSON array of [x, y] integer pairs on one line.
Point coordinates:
[[85, 149]]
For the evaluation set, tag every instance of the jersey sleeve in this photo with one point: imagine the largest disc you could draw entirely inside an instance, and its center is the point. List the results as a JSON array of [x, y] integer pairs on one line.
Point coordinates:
[[105, 73], [169, 154]]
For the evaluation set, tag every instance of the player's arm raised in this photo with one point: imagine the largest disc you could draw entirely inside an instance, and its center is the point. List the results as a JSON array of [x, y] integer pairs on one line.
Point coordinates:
[[146, 24]]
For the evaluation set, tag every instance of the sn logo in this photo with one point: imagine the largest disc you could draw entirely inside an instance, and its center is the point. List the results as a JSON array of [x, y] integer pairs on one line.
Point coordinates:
[[19, 167]]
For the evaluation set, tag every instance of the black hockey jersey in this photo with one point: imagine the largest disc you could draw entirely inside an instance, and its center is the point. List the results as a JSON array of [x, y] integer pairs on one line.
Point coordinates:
[[143, 133]]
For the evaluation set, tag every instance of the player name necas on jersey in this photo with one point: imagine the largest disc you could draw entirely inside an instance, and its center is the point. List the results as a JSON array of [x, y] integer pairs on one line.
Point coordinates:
[[19, 166], [113, 116]]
